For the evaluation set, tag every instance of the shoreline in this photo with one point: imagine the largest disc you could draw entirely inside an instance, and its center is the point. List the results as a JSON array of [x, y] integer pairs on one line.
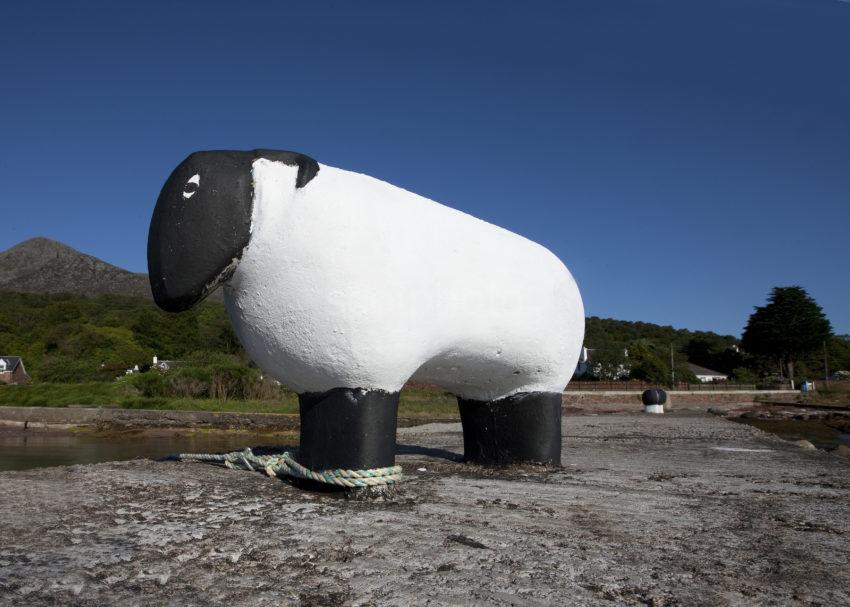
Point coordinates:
[[573, 403], [115, 420], [111, 423]]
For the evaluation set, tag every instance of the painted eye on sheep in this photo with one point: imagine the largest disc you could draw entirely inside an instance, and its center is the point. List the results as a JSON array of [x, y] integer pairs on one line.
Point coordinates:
[[192, 186]]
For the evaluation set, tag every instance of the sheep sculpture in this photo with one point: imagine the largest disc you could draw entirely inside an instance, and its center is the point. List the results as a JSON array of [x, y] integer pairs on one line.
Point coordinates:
[[344, 287]]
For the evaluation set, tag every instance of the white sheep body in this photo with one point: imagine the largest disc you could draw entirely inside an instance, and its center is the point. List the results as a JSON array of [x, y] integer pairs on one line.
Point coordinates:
[[353, 282]]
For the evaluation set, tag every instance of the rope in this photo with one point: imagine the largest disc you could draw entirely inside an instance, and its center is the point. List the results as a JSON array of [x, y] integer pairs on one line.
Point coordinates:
[[284, 464]]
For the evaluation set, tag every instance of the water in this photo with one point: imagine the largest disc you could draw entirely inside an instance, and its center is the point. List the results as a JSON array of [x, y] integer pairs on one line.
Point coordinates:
[[812, 430], [22, 450]]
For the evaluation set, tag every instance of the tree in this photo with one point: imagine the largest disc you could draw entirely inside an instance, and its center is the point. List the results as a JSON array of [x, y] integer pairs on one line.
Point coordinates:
[[609, 364], [714, 351], [790, 326], [647, 364]]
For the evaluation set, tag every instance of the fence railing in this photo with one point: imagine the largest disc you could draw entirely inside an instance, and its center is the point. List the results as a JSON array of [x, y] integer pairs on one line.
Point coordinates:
[[637, 386]]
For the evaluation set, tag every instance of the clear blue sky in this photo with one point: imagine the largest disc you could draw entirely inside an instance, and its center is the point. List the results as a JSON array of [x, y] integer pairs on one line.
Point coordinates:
[[681, 157]]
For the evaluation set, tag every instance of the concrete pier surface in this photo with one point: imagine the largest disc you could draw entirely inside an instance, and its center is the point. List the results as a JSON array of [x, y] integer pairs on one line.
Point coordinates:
[[675, 509]]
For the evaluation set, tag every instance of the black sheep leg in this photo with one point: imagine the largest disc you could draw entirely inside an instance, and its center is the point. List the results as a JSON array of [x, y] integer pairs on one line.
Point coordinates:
[[348, 428], [525, 427]]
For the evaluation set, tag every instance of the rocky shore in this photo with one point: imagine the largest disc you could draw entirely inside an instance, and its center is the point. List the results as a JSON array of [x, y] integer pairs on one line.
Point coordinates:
[[646, 510], [827, 427]]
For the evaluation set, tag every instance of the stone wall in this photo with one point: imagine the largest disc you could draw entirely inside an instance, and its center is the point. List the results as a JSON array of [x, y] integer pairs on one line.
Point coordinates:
[[679, 399], [58, 417]]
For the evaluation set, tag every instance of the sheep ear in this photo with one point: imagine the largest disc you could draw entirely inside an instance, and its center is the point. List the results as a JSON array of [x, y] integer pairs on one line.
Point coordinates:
[[307, 167]]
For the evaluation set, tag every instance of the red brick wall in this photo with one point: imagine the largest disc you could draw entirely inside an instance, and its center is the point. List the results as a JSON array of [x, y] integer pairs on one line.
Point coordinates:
[[16, 377]]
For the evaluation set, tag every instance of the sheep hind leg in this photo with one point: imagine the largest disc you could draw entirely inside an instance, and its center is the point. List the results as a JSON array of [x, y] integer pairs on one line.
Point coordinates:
[[348, 428], [525, 427]]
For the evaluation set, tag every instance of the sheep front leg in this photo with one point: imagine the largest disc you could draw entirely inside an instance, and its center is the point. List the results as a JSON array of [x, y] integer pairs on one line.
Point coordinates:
[[348, 428], [525, 427]]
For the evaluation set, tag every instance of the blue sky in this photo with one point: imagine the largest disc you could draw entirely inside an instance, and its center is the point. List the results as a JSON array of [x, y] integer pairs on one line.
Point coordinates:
[[682, 158]]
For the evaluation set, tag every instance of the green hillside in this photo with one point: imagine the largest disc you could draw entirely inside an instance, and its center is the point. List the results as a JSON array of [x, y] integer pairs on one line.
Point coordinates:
[[71, 338]]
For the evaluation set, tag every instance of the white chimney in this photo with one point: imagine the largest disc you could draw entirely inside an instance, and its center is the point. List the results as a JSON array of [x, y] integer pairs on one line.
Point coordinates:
[[155, 360]]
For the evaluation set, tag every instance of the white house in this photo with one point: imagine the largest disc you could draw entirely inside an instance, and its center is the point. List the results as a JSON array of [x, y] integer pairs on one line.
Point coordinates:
[[165, 365], [707, 375]]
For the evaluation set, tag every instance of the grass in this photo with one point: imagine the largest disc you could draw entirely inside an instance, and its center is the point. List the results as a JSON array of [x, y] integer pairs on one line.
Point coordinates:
[[414, 402], [427, 402], [62, 395]]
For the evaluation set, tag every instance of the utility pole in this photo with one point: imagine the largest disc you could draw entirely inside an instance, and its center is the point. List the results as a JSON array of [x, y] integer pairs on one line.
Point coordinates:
[[672, 368], [825, 366]]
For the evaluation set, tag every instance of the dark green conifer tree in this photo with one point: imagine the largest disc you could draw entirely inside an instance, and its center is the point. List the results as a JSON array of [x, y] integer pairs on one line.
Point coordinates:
[[790, 326]]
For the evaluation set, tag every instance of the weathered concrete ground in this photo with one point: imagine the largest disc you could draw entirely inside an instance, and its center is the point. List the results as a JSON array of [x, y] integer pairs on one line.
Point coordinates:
[[674, 509]]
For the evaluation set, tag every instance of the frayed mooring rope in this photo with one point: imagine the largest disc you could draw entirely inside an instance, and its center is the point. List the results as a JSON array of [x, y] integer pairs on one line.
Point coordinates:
[[284, 464]]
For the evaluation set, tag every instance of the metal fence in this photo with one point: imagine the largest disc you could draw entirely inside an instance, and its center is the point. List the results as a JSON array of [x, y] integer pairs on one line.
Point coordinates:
[[637, 386]]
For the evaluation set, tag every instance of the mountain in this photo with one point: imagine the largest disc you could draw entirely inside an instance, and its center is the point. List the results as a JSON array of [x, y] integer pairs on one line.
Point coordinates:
[[41, 265]]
